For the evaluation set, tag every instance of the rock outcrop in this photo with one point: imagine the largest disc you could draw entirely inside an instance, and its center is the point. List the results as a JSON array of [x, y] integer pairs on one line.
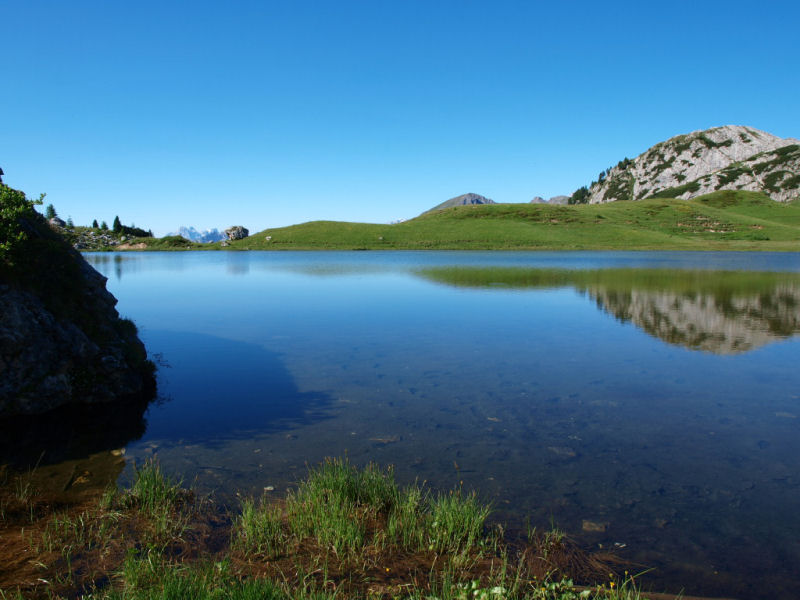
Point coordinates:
[[723, 158], [237, 232], [61, 338]]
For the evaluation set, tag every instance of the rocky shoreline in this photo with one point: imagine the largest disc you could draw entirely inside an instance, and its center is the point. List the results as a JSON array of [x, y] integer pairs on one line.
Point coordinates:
[[62, 340]]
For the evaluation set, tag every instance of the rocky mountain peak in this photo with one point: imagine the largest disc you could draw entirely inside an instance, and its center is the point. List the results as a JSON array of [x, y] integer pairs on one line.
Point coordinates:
[[552, 200], [463, 199], [732, 157]]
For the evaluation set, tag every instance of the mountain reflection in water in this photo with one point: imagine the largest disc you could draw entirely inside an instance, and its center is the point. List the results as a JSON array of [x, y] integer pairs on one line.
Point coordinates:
[[723, 312]]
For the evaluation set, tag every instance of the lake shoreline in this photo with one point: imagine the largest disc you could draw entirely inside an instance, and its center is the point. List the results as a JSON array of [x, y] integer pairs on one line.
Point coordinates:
[[721, 221], [90, 537]]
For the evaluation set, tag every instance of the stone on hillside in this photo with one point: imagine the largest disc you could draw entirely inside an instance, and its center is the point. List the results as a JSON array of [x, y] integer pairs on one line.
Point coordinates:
[[56, 222], [237, 232]]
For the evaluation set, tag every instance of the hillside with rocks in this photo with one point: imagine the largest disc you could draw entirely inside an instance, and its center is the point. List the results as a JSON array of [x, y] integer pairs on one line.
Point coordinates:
[[732, 157]]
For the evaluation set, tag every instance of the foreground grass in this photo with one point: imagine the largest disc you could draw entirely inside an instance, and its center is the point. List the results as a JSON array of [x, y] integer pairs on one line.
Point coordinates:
[[342, 533]]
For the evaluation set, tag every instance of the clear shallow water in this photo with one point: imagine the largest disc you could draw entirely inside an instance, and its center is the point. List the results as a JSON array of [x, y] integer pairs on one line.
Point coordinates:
[[653, 394]]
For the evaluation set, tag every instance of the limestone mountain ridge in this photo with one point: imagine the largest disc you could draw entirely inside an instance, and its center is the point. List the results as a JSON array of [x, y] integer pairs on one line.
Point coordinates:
[[732, 157]]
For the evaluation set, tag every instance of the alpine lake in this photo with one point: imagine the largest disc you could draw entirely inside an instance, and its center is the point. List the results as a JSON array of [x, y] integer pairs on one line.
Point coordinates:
[[644, 403]]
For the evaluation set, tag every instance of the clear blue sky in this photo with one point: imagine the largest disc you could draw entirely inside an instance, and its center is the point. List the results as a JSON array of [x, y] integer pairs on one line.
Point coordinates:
[[272, 113]]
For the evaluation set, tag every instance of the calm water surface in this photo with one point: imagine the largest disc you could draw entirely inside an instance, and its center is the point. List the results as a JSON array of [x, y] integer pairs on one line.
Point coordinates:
[[646, 402]]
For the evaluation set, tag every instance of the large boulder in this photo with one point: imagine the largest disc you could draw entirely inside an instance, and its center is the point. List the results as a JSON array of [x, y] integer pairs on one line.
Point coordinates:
[[237, 232], [61, 338]]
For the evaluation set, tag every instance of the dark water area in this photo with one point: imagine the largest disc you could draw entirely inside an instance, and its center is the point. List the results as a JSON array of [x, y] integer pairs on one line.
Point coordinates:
[[644, 402]]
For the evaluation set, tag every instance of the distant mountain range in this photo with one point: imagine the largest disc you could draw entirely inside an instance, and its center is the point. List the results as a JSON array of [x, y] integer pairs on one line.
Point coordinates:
[[202, 237]]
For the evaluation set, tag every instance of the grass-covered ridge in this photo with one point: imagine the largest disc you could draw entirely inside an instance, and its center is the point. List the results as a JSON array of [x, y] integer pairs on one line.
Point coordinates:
[[342, 533], [725, 220]]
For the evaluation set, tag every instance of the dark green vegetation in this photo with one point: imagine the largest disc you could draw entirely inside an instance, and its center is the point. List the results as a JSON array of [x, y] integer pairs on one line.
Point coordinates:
[[17, 223], [726, 220], [342, 533]]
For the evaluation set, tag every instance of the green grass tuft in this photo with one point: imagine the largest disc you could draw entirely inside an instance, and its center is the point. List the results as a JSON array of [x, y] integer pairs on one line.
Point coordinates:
[[457, 522]]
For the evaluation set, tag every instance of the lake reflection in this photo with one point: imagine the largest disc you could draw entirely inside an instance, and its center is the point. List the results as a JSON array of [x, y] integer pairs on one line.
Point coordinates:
[[723, 312], [641, 401]]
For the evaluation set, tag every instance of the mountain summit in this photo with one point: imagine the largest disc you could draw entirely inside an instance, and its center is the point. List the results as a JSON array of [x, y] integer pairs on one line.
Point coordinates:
[[461, 200], [732, 157]]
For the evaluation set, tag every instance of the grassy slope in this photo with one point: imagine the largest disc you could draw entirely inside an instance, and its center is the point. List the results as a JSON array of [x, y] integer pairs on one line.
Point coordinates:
[[719, 221]]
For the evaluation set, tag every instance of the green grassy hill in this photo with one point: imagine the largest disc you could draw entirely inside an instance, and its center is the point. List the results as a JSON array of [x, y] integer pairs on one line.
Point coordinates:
[[726, 220]]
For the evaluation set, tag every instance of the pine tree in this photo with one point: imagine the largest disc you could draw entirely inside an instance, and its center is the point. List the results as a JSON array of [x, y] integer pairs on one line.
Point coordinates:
[[50, 212], [104, 226], [94, 224], [117, 226]]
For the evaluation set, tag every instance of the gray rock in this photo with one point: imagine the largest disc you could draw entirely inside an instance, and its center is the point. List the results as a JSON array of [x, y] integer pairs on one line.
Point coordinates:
[[84, 354], [237, 232], [722, 158]]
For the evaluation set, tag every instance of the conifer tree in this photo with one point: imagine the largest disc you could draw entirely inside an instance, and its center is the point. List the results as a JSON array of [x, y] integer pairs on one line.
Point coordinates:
[[117, 226], [94, 224]]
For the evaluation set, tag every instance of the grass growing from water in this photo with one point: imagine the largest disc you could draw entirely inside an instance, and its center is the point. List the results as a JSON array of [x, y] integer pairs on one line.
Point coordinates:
[[343, 533], [160, 500]]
